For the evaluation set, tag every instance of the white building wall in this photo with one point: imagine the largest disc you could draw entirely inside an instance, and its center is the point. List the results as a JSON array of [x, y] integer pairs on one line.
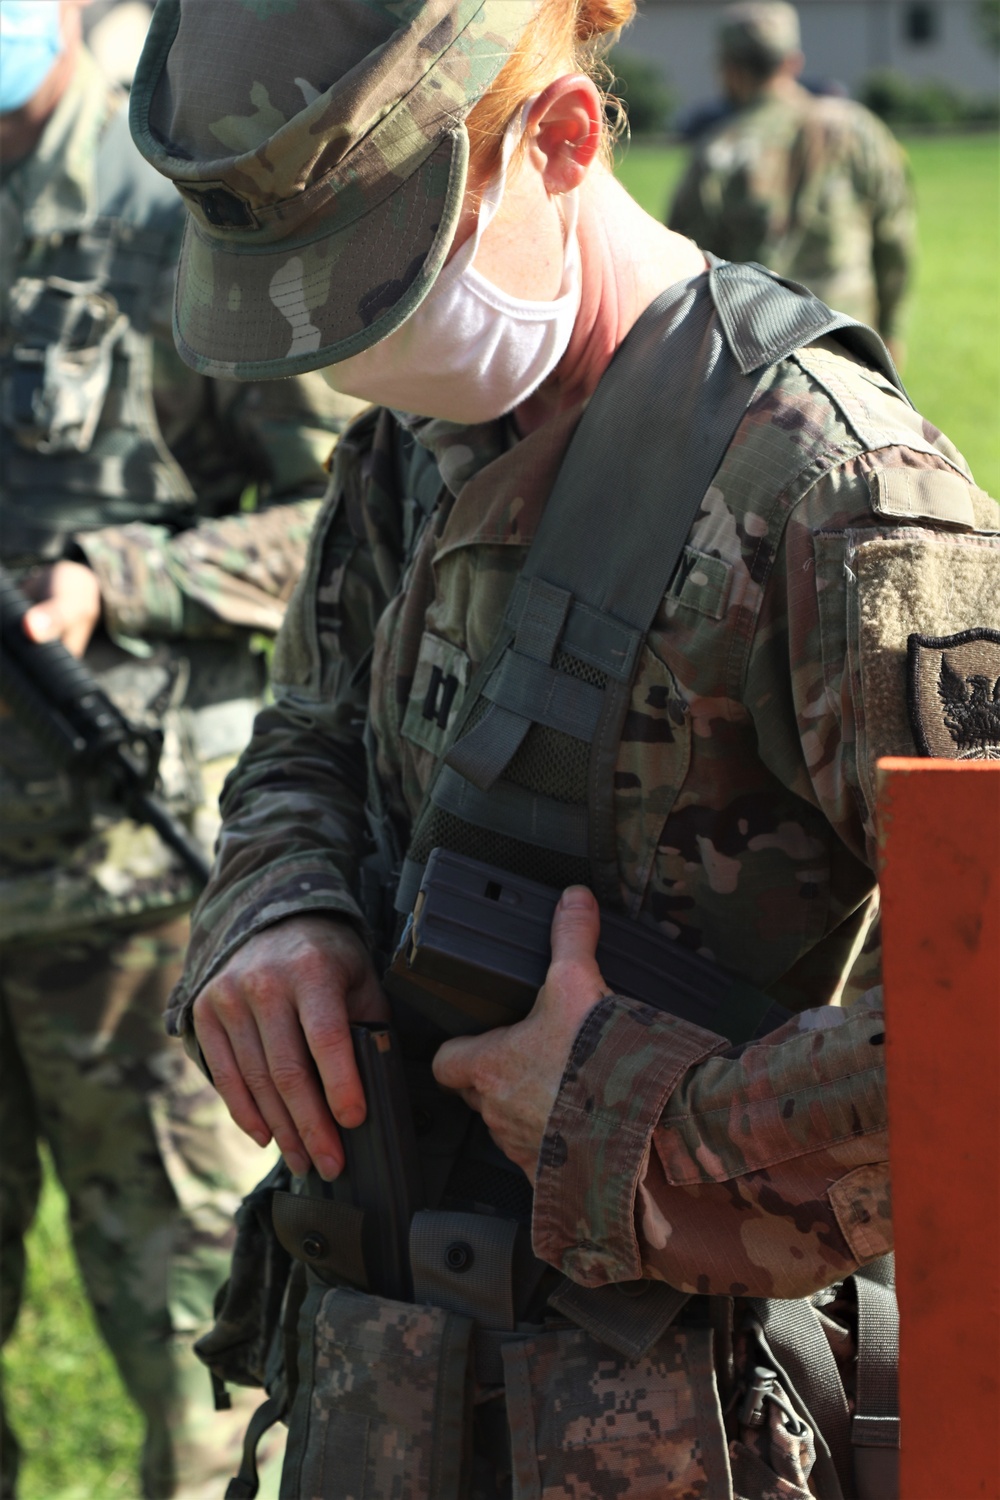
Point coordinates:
[[843, 39]]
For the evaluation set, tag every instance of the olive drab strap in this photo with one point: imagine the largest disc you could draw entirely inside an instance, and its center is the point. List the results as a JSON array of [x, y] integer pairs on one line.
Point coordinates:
[[790, 1335], [603, 557], [875, 1426], [857, 1455]]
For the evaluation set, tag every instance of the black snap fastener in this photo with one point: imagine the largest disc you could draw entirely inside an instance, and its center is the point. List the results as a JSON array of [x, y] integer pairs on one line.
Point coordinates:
[[423, 1119], [314, 1245], [459, 1256]]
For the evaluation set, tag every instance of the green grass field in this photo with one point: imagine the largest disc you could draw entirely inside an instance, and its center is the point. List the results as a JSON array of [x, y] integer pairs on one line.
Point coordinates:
[[62, 1390], [953, 364]]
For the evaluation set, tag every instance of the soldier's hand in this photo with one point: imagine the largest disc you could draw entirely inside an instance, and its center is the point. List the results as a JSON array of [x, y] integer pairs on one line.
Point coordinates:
[[273, 1027], [68, 608], [512, 1076]]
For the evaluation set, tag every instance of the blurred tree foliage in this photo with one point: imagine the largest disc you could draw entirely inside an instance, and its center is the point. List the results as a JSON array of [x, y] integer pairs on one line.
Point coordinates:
[[905, 101], [649, 101], [989, 21]]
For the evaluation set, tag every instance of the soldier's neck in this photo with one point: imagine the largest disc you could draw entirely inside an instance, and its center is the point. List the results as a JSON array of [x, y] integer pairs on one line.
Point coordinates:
[[627, 259]]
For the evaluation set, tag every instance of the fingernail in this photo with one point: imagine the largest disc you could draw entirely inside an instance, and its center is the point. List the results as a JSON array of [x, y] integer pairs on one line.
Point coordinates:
[[262, 1137], [41, 623], [576, 898], [327, 1168], [297, 1165]]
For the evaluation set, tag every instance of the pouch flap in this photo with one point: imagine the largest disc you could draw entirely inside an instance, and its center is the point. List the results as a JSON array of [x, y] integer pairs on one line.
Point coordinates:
[[323, 1234], [922, 494], [464, 1263], [629, 1316]]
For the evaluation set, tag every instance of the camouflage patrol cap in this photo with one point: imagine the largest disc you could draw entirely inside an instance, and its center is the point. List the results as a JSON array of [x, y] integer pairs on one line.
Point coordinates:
[[321, 150], [759, 35]]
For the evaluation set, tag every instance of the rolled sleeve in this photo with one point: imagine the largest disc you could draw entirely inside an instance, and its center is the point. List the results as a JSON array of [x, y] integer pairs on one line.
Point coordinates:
[[626, 1060], [768, 1173], [762, 1173]]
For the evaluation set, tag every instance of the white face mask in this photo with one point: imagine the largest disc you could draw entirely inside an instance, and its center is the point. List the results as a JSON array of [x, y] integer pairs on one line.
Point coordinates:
[[470, 352]]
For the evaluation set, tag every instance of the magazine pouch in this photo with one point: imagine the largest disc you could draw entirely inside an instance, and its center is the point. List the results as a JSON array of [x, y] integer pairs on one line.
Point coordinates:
[[586, 1420], [382, 1407]]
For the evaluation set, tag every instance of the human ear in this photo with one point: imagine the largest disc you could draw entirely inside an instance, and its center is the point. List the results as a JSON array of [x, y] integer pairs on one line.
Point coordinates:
[[564, 131]]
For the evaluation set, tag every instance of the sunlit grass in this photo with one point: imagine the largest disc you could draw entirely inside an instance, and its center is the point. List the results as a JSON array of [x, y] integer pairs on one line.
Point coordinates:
[[80, 1432]]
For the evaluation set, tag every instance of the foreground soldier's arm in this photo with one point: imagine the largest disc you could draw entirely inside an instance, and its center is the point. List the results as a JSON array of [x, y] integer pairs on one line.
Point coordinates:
[[294, 857], [765, 1174]]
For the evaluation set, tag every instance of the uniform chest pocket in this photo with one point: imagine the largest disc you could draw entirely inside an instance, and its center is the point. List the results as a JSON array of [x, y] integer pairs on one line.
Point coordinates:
[[439, 682]]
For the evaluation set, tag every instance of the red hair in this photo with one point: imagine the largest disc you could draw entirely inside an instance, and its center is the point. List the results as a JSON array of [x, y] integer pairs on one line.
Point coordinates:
[[563, 35]]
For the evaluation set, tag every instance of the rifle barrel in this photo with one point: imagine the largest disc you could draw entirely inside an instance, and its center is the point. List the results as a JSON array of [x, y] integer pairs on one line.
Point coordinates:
[[62, 705]]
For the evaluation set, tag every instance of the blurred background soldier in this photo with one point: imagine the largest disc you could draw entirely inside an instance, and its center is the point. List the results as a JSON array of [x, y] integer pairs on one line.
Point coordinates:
[[114, 31], [814, 187], [125, 486]]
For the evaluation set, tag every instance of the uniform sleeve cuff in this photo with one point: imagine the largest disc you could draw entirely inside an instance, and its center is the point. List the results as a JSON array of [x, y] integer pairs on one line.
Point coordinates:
[[299, 890], [138, 595], [625, 1062]]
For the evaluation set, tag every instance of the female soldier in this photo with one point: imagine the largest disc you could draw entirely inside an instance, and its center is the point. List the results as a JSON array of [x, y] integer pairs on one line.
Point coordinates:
[[416, 198]]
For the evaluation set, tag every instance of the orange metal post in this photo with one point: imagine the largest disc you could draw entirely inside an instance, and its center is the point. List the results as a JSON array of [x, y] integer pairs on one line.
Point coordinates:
[[939, 836]]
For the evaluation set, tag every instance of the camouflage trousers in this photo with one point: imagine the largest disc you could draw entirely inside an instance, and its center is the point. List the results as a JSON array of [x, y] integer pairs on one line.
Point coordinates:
[[152, 1167]]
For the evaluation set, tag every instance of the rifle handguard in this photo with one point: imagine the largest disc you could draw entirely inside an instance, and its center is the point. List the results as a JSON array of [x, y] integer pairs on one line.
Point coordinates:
[[61, 703], [84, 731]]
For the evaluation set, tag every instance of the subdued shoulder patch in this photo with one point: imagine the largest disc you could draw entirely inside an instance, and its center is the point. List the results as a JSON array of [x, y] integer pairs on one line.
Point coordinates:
[[953, 691], [922, 494]]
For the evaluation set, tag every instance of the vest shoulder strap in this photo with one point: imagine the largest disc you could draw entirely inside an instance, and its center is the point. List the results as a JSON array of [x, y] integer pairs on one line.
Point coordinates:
[[658, 427]]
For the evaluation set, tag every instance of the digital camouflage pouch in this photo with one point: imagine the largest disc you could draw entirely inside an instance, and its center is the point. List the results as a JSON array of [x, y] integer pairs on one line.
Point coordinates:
[[381, 1408], [588, 1422]]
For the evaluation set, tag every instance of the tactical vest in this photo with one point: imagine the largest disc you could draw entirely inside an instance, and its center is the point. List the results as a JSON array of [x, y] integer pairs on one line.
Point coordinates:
[[80, 445], [525, 781], [525, 778]]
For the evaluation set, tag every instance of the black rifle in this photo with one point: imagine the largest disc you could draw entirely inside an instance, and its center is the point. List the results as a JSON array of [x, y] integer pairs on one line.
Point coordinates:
[[473, 956], [475, 951], [85, 733]]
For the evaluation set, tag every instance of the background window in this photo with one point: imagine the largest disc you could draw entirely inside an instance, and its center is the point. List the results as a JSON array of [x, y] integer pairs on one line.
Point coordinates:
[[921, 23]]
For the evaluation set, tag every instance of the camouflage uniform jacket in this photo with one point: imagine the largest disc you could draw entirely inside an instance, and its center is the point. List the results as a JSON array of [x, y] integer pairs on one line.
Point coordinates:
[[815, 188], [180, 607], [772, 678]]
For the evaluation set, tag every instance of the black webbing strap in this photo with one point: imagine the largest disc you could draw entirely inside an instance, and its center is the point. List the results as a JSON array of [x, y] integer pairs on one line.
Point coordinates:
[[795, 1339], [245, 1484], [875, 1428]]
